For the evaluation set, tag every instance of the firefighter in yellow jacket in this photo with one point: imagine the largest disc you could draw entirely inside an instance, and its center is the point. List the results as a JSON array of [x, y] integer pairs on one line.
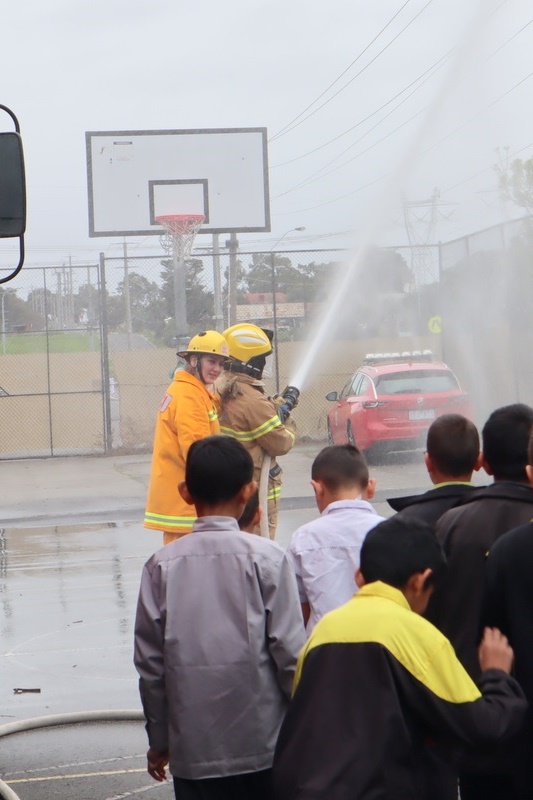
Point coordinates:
[[248, 414], [188, 412]]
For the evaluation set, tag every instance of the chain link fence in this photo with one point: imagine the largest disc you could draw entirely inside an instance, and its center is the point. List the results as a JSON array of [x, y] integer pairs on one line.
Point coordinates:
[[52, 365], [87, 352], [284, 291], [486, 282]]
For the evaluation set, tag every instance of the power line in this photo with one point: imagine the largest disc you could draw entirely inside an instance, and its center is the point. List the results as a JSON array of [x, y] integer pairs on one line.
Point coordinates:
[[310, 178], [313, 179], [475, 116], [397, 36], [376, 111], [485, 169], [382, 177], [337, 79], [511, 39], [433, 68]]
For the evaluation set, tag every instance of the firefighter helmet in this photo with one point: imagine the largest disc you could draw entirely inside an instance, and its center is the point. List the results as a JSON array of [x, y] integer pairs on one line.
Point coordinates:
[[207, 342], [246, 341]]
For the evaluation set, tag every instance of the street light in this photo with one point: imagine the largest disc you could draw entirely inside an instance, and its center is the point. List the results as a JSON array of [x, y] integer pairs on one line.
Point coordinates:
[[274, 303]]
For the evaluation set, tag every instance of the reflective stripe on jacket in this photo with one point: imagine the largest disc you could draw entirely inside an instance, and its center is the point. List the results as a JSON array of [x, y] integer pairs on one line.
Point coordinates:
[[188, 412], [251, 417]]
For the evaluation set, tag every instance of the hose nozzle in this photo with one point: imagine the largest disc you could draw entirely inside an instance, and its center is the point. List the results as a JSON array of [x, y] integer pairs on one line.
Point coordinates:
[[290, 396]]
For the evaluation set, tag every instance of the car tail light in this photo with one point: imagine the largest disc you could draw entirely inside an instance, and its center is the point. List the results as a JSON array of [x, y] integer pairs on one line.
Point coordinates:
[[373, 403], [460, 398]]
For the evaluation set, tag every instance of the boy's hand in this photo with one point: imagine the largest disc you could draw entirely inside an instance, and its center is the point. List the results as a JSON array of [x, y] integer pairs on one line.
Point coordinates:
[[495, 652], [156, 764]]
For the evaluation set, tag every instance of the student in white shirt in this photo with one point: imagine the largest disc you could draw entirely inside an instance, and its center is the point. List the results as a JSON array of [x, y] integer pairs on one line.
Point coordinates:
[[325, 552]]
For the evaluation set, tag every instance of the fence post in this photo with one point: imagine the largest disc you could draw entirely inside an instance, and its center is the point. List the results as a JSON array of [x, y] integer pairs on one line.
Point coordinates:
[[106, 395]]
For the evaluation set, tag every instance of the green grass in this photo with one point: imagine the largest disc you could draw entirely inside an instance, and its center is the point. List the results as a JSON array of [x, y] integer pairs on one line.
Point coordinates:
[[57, 343]]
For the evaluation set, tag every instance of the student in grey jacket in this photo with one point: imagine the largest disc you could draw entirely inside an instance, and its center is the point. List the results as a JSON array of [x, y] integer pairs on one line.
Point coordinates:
[[217, 635]]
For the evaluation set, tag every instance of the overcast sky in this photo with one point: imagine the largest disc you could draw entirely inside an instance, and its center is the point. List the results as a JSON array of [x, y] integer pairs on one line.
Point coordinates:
[[69, 67]]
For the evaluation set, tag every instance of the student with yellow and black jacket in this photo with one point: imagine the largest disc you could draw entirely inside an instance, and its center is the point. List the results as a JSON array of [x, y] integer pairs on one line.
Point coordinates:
[[376, 684]]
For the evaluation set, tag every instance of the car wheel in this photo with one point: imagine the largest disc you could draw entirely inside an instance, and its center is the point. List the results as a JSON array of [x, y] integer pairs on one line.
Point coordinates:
[[351, 437], [330, 434]]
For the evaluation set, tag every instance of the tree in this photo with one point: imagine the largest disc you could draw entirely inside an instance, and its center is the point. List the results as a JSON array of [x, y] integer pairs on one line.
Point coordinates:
[[42, 302], [199, 299], [87, 304], [303, 283], [516, 183], [19, 313], [146, 303]]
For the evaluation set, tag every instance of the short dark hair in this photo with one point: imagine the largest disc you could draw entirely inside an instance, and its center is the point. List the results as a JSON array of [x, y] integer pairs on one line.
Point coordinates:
[[250, 510], [398, 548], [505, 441], [453, 444], [216, 469], [340, 465]]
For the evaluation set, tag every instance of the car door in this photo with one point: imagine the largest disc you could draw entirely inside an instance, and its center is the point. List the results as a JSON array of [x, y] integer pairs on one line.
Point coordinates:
[[344, 406], [357, 412], [333, 415]]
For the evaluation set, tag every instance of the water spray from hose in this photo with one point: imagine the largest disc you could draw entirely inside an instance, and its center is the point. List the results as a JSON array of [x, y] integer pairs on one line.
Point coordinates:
[[341, 292]]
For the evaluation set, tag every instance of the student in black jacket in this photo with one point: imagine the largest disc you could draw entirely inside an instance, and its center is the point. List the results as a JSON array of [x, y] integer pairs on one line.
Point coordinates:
[[467, 533], [452, 454], [376, 683], [508, 603]]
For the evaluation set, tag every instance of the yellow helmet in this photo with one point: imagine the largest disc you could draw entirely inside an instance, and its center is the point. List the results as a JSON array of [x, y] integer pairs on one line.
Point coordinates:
[[245, 341], [207, 342]]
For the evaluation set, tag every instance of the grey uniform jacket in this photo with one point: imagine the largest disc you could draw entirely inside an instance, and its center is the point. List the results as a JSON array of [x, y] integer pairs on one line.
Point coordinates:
[[217, 634]]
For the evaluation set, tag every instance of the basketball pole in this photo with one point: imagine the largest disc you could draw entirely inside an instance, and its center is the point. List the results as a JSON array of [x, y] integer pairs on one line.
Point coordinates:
[[127, 299], [181, 229], [233, 246], [180, 298], [217, 293]]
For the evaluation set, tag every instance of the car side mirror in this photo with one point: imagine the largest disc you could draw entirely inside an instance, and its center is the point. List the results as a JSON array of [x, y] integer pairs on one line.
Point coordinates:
[[332, 396], [12, 190]]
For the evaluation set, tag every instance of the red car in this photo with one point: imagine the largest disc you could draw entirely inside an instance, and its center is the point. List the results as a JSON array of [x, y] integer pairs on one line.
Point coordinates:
[[392, 400]]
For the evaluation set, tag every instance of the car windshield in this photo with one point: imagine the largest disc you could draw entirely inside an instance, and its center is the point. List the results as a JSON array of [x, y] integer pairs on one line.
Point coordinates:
[[417, 381]]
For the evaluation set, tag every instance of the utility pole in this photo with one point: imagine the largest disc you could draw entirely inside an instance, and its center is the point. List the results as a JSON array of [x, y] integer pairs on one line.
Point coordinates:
[[420, 218]]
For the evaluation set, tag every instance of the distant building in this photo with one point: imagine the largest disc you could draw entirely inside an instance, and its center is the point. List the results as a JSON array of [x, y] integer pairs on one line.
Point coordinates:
[[260, 311]]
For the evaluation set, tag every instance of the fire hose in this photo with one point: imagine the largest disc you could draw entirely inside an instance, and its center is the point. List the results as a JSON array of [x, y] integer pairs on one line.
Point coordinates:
[[52, 720], [287, 401]]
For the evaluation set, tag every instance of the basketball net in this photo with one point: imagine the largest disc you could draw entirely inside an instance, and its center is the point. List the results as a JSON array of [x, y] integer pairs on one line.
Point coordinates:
[[181, 231]]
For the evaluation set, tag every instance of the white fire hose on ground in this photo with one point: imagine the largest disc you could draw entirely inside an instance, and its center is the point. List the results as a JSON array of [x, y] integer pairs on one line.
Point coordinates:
[[52, 720]]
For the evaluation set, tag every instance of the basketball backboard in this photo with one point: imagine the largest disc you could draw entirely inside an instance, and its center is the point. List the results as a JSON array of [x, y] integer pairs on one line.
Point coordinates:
[[136, 176]]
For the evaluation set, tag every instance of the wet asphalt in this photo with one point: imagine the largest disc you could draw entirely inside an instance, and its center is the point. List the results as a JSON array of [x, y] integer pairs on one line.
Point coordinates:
[[71, 551]]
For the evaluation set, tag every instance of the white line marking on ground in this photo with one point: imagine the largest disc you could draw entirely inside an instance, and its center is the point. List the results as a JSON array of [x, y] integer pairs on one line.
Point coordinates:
[[79, 775], [77, 764], [153, 785]]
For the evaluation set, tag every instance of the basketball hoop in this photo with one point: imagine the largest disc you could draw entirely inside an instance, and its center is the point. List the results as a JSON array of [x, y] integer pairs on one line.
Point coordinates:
[[181, 229]]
